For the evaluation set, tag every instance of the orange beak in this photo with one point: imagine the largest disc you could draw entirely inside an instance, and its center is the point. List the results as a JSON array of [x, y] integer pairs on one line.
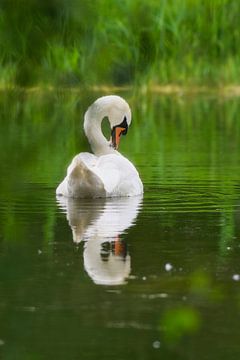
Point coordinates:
[[116, 134]]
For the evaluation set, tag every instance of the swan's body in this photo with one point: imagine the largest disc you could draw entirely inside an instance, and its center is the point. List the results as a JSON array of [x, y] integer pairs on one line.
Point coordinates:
[[106, 173]]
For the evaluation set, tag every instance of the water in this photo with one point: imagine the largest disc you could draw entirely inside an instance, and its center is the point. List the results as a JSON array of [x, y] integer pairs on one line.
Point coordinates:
[[143, 278]]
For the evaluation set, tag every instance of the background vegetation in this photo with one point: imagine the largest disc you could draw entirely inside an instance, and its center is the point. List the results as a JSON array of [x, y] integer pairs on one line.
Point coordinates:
[[77, 43]]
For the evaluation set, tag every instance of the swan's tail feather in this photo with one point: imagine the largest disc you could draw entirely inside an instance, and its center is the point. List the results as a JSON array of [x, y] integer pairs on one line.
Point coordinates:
[[83, 183]]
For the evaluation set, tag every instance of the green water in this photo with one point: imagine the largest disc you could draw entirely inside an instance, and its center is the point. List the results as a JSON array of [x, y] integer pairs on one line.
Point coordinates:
[[145, 278]]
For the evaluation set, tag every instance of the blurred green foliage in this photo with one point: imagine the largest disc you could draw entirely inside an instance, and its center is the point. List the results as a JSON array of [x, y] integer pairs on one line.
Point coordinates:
[[178, 322], [76, 42]]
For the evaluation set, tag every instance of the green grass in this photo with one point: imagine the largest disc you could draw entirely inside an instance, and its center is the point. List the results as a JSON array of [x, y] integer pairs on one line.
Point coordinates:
[[77, 43]]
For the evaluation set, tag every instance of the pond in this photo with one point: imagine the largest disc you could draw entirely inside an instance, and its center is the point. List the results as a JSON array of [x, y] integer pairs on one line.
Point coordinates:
[[149, 277]]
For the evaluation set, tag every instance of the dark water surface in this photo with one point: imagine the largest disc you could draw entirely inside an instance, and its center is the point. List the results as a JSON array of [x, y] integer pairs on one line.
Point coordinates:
[[156, 277]]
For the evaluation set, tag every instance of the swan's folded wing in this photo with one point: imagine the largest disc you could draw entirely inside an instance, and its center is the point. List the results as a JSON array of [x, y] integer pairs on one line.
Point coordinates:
[[88, 159], [109, 174], [117, 174], [81, 181]]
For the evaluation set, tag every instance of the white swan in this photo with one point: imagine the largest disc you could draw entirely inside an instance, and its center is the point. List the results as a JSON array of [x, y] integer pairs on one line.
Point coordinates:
[[107, 173]]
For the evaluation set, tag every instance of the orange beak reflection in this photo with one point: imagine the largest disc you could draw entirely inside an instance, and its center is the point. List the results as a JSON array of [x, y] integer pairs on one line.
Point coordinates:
[[119, 247]]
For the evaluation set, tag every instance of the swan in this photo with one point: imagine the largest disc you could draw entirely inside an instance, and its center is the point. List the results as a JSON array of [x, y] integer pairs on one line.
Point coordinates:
[[105, 173]]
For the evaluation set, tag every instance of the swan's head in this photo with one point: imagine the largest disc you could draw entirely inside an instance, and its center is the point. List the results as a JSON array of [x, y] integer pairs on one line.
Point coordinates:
[[118, 112]]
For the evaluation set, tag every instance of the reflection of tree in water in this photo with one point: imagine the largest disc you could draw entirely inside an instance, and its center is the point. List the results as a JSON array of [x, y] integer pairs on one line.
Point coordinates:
[[99, 223]]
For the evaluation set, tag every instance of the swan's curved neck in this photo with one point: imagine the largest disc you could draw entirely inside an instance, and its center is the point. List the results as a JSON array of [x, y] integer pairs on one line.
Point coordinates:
[[92, 127]]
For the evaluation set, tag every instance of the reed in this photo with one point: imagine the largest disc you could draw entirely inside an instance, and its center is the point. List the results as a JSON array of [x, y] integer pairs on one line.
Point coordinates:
[[74, 42]]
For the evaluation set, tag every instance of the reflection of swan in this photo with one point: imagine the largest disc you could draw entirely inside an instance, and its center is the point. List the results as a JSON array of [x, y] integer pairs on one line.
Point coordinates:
[[107, 173], [99, 224]]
